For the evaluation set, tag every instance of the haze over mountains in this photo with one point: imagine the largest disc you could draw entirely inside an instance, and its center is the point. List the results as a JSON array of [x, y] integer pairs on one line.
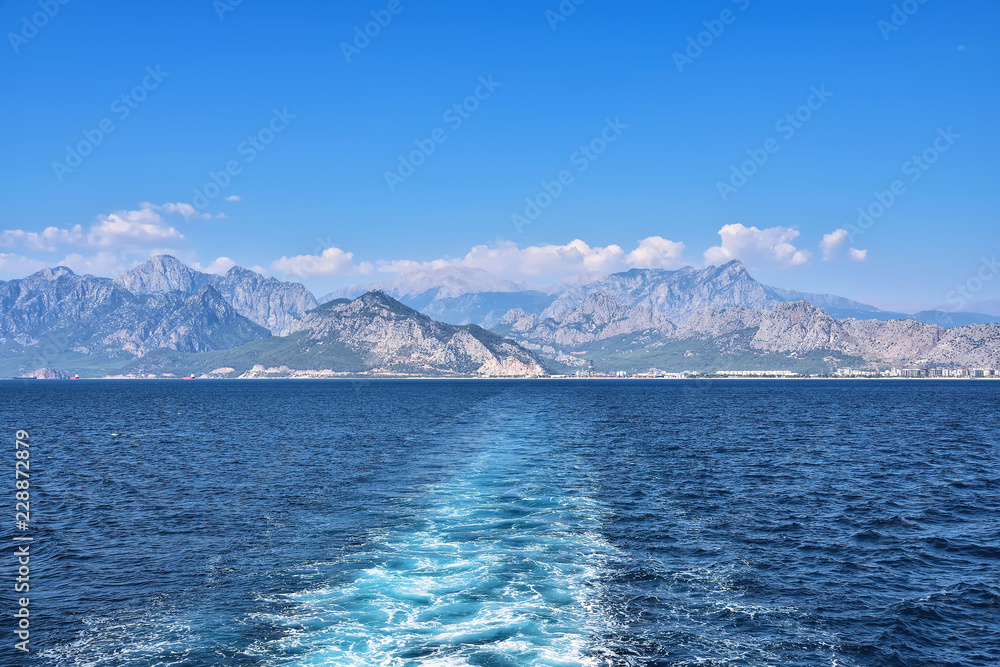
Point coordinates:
[[468, 295], [164, 318]]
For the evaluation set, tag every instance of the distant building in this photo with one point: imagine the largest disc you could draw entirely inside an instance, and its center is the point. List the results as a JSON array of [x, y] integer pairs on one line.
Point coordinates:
[[758, 373], [855, 373], [939, 373]]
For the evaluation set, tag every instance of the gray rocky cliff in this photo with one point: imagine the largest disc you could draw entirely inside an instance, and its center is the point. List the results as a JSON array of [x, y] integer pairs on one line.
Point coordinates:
[[394, 337], [269, 302]]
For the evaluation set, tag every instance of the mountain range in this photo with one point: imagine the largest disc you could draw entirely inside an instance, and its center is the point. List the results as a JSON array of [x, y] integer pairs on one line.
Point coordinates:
[[163, 318], [271, 303], [467, 295]]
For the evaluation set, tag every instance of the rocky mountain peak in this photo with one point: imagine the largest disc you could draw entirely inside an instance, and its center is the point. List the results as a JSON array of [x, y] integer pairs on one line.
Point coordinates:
[[209, 295], [241, 272], [799, 309], [390, 335], [512, 316], [53, 273], [163, 273], [380, 303], [266, 301], [733, 266]]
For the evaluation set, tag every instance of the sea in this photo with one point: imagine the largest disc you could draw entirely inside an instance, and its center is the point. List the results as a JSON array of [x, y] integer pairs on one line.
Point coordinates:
[[504, 523]]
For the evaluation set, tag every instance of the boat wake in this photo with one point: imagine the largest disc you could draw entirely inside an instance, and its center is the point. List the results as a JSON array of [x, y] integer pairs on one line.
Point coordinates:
[[501, 565]]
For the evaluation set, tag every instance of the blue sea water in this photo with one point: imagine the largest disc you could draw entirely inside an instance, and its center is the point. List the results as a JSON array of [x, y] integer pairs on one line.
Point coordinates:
[[497, 523]]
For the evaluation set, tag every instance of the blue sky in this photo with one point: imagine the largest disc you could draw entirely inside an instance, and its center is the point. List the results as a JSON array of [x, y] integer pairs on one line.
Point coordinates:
[[315, 203]]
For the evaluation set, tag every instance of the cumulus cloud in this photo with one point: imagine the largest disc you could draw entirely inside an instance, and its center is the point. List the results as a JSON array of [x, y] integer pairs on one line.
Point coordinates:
[[122, 230], [856, 255], [44, 241], [656, 252], [577, 257], [101, 264], [132, 229], [832, 243], [233, 198], [544, 260], [18, 266], [219, 266], [187, 211], [126, 230], [769, 247], [132, 233], [332, 262], [409, 265], [114, 240]]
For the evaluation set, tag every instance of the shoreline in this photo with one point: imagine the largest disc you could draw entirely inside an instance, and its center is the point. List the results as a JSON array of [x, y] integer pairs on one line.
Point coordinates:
[[480, 379]]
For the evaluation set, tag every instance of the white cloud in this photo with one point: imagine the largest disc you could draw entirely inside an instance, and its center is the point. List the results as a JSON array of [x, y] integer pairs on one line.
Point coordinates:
[[233, 198], [506, 258], [18, 266], [544, 260], [123, 230], [129, 230], [772, 246], [116, 239], [101, 264], [332, 262], [187, 211], [44, 241], [219, 266], [656, 252], [832, 243], [409, 266]]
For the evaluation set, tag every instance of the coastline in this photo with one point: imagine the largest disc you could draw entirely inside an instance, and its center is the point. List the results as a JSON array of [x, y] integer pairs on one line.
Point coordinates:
[[472, 378]]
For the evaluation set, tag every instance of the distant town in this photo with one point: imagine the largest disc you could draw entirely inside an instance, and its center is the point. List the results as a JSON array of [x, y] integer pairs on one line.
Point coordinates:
[[930, 373], [284, 372]]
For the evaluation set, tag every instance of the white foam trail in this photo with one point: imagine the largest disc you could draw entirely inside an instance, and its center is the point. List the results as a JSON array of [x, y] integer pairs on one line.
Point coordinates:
[[502, 563]]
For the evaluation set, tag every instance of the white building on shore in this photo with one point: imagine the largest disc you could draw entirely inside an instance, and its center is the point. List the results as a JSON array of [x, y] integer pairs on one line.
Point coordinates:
[[756, 374]]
